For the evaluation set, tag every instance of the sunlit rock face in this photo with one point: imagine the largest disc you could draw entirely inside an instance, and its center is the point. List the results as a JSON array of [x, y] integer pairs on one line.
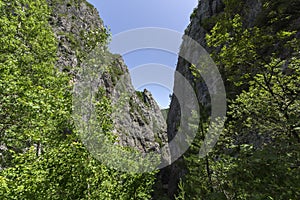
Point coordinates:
[[78, 29]]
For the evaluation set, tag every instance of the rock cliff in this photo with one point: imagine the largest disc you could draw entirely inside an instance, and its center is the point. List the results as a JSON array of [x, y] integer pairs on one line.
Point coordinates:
[[202, 21], [204, 17], [205, 10], [79, 30]]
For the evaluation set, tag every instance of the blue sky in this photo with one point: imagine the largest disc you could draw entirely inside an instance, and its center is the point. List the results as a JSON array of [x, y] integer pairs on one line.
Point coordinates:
[[124, 15]]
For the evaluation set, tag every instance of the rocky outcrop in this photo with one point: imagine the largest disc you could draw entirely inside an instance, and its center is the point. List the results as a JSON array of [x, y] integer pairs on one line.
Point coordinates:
[[76, 24], [79, 30], [146, 123]]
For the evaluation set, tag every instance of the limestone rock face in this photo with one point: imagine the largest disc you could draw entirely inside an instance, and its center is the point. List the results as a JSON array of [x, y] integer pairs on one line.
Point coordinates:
[[79, 29], [73, 21], [142, 124]]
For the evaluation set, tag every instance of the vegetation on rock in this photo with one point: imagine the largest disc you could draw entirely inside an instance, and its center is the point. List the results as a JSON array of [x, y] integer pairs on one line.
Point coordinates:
[[257, 155]]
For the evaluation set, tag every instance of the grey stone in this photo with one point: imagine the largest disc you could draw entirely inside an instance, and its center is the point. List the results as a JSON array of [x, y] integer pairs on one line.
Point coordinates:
[[142, 125]]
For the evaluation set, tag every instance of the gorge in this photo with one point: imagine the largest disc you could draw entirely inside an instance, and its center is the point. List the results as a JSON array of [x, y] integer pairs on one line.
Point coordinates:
[[47, 49]]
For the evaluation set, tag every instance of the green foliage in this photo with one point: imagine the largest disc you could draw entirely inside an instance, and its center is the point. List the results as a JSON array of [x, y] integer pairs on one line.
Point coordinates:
[[33, 93], [268, 114], [243, 52], [257, 155], [195, 72], [115, 72], [194, 14], [233, 7], [279, 14], [44, 157], [140, 95], [103, 112], [69, 172], [181, 195]]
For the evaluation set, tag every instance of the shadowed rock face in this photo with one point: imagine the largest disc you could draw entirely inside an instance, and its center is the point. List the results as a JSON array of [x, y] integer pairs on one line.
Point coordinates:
[[196, 30], [78, 29], [206, 9]]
